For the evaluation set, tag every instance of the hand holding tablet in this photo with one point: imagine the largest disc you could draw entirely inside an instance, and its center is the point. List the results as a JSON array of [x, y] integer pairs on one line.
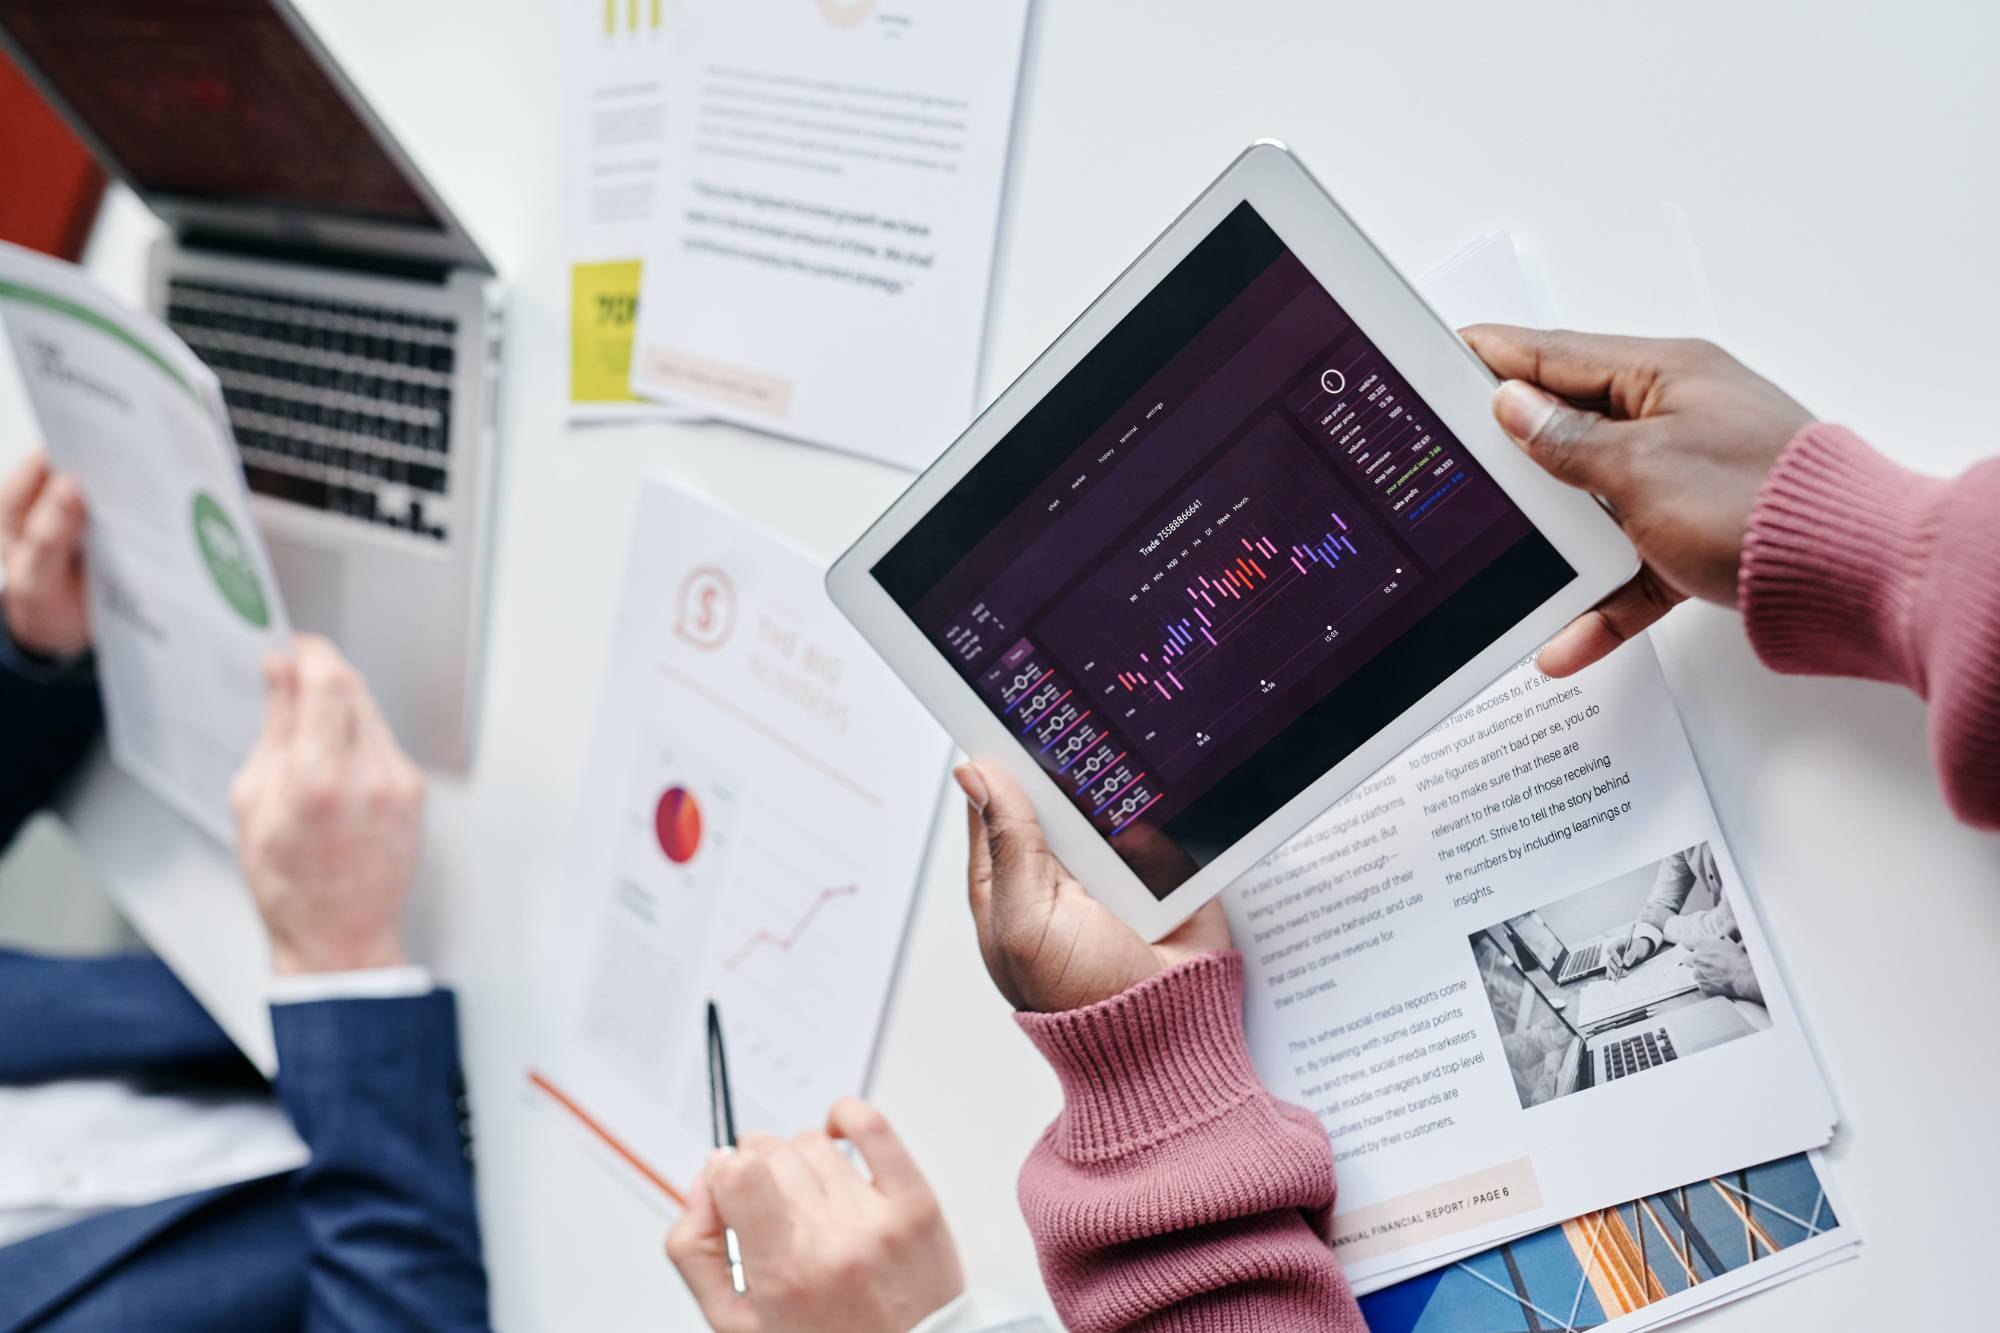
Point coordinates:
[[1247, 530], [1048, 944], [1682, 440]]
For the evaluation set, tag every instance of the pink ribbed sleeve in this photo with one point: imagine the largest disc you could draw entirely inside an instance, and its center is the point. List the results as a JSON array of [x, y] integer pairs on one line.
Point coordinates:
[[1174, 1192], [1854, 566]]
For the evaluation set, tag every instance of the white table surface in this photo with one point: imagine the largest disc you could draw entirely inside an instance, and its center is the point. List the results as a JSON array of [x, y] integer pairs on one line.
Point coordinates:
[[1828, 167]]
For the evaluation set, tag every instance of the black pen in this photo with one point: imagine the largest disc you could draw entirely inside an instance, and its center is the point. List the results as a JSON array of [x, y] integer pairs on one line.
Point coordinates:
[[722, 1124]]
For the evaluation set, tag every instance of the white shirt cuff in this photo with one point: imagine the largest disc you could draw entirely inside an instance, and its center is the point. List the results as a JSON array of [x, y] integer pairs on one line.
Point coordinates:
[[1646, 931], [371, 983]]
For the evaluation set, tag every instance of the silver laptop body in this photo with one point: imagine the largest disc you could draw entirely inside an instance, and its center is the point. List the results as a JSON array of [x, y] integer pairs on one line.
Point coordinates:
[[354, 324]]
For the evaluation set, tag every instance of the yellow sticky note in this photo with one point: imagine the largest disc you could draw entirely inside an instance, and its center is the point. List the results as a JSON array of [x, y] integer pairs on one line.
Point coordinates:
[[603, 309]]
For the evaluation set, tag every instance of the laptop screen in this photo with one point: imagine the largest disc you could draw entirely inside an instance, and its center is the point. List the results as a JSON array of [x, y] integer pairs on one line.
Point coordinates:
[[1535, 933], [1510, 989], [213, 100]]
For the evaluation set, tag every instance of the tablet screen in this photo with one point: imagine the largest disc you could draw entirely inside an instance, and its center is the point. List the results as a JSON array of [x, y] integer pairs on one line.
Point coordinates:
[[1227, 549]]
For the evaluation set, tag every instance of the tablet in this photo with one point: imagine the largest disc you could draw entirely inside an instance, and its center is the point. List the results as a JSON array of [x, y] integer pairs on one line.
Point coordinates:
[[1241, 535]]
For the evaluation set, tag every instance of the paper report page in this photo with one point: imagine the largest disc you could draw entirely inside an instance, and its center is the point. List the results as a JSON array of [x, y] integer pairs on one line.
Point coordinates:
[[614, 186], [754, 813], [829, 222], [183, 601], [1430, 971]]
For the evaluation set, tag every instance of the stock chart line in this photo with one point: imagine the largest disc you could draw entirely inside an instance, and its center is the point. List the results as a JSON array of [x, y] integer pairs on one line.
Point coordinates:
[[783, 943], [1231, 592]]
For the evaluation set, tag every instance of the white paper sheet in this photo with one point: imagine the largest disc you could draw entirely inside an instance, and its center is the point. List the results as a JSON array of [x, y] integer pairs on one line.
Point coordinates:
[[835, 178], [755, 812], [614, 163], [183, 603]]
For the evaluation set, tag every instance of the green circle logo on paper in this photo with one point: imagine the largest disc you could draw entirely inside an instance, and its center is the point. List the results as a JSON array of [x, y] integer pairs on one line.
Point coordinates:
[[228, 562]]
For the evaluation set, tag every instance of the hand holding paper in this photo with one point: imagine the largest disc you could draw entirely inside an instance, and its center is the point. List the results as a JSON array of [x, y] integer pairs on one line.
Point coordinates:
[[41, 550], [179, 598]]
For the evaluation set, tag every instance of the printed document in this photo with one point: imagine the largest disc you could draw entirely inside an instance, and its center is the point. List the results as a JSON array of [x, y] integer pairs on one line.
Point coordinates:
[[756, 809], [183, 604], [614, 163], [1420, 960], [822, 265]]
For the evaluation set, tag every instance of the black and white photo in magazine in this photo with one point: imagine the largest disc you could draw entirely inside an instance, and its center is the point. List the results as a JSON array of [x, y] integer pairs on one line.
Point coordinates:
[[1624, 977]]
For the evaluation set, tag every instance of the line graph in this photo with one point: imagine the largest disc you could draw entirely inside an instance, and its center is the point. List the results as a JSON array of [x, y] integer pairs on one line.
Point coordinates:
[[1232, 591], [762, 938], [1214, 608]]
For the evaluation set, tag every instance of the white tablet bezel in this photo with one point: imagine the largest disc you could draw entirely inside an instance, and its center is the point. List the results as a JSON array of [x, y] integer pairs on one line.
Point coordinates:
[[1438, 366]]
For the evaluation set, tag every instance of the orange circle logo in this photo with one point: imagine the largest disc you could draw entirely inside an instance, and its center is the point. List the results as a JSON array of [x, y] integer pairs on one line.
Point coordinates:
[[707, 612]]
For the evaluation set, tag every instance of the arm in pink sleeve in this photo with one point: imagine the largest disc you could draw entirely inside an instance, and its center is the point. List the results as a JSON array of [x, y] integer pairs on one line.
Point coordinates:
[[1174, 1192], [1855, 566]]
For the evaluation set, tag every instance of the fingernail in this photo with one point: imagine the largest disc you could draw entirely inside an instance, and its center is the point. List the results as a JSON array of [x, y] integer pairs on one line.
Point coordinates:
[[972, 784], [1522, 409]]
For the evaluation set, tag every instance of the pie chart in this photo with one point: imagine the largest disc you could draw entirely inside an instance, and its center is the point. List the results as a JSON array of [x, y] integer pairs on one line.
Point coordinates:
[[677, 824]]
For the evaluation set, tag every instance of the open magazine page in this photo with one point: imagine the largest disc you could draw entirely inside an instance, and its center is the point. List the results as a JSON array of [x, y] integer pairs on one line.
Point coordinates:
[[1517, 976]]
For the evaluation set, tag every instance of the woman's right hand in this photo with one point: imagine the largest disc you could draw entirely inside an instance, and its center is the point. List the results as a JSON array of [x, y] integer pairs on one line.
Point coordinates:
[[1676, 435], [1048, 944]]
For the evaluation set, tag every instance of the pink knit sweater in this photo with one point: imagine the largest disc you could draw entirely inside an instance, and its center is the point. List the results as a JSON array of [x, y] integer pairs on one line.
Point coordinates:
[[1855, 566], [1174, 1192]]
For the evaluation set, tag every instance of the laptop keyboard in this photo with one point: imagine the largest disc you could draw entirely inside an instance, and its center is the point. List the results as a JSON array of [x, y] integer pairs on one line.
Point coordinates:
[[1632, 1054], [1581, 963], [338, 407]]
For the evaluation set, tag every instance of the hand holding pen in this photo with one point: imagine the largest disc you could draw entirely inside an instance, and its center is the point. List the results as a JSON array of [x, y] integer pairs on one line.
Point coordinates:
[[824, 1248]]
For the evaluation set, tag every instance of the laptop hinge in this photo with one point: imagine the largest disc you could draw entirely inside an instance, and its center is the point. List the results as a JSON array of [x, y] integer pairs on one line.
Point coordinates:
[[315, 256]]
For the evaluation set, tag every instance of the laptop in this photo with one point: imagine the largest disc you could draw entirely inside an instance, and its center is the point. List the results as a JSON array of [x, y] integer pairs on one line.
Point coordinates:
[[354, 324], [1649, 1041], [1607, 1053], [1562, 964]]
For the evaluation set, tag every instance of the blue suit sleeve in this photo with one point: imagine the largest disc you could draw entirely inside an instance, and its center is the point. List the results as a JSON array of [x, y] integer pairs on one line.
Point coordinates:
[[373, 1087], [122, 1014], [49, 714]]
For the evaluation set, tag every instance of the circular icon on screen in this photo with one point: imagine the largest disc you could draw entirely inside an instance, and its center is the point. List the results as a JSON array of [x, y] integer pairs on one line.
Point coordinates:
[[228, 562], [707, 610], [1333, 381]]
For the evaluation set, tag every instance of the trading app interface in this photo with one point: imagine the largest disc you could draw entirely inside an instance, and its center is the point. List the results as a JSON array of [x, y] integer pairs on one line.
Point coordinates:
[[1228, 548]]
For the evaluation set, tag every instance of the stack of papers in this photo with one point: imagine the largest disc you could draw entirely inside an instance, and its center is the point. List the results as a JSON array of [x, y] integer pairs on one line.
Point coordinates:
[[1640, 1265], [1415, 963]]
